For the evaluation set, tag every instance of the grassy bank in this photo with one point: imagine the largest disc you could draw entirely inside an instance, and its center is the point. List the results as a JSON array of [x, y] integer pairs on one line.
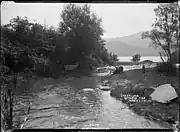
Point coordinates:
[[133, 83]]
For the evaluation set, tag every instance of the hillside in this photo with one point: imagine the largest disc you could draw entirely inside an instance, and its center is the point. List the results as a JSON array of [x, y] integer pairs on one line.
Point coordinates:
[[129, 45]]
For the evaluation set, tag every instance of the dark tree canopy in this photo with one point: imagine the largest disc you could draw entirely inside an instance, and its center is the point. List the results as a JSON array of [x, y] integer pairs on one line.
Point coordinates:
[[82, 31], [77, 40]]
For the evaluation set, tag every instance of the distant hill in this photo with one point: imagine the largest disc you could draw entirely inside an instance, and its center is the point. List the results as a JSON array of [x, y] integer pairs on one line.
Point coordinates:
[[129, 45]]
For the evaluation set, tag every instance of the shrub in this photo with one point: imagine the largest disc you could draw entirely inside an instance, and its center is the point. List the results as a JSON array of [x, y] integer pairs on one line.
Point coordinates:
[[166, 67], [136, 57], [95, 62]]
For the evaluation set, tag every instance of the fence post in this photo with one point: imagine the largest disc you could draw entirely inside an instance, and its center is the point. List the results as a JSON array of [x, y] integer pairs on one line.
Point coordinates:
[[10, 109]]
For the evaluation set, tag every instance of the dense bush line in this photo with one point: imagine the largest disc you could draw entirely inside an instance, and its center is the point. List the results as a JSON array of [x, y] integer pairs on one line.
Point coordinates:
[[31, 45]]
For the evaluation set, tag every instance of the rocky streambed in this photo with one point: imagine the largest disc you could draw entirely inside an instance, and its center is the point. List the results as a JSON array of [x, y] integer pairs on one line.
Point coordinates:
[[75, 103]]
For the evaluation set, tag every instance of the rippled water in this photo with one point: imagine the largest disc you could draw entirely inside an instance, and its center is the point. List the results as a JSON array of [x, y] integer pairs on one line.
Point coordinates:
[[79, 103]]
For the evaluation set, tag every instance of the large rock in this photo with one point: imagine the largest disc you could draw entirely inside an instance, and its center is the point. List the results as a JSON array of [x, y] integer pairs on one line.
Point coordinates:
[[111, 68], [105, 88], [118, 70], [164, 93], [70, 67]]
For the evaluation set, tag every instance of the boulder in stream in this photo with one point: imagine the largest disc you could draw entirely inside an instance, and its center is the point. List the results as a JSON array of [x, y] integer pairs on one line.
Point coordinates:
[[164, 93], [70, 67], [118, 70], [88, 89], [105, 88]]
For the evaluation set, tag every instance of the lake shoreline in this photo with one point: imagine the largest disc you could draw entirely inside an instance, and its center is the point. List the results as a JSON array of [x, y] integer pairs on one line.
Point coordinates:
[[143, 58]]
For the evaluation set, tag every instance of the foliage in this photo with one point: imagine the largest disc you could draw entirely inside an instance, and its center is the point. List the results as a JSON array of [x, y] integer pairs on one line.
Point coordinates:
[[165, 35], [82, 33], [175, 56], [27, 45], [33, 48], [17, 55], [114, 56], [77, 38], [167, 67], [136, 57]]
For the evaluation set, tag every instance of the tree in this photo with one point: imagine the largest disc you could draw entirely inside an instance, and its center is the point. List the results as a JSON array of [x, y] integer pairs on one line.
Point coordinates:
[[115, 57], [20, 27], [22, 41], [164, 35], [83, 30], [136, 57], [61, 52]]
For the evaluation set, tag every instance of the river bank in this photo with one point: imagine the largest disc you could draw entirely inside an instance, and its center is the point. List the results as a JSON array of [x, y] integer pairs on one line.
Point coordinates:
[[132, 82], [67, 93], [29, 86], [74, 102]]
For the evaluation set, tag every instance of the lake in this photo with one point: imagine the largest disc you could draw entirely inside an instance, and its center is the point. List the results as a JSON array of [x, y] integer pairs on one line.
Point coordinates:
[[152, 58]]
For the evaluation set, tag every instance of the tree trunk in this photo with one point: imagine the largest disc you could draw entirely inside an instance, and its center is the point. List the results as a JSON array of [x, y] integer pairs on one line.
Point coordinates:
[[15, 80], [169, 55], [161, 57], [10, 120]]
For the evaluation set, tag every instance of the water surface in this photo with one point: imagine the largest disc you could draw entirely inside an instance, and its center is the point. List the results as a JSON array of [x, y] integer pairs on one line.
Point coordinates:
[[152, 58], [79, 103]]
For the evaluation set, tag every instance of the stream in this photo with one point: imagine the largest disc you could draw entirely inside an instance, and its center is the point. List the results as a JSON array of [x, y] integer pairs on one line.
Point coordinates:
[[78, 103]]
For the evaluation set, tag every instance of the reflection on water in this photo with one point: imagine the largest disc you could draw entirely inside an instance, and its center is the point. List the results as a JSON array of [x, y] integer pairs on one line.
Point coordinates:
[[79, 103]]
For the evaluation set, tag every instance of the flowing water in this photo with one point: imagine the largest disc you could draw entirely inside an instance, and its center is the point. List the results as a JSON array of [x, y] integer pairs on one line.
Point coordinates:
[[79, 103]]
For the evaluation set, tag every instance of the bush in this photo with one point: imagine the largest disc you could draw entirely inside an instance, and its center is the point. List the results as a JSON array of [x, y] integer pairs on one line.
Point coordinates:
[[95, 62], [136, 57], [114, 56], [44, 71], [175, 57], [166, 67]]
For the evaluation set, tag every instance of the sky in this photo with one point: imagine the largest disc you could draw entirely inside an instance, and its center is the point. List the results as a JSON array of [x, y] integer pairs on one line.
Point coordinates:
[[117, 19]]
